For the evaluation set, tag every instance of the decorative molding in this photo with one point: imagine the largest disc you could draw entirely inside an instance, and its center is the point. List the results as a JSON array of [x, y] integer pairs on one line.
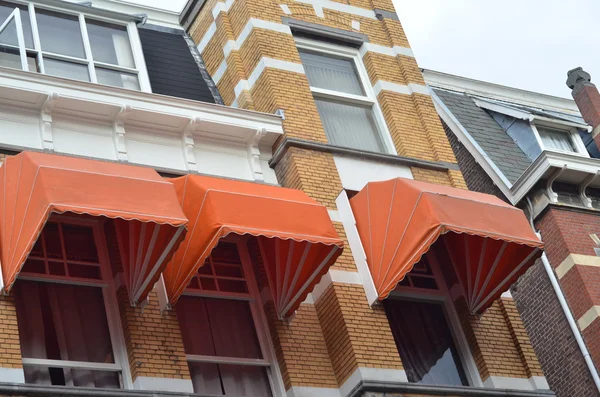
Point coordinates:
[[46, 121], [163, 384], [347, 36], [362, 374], [504, 382], [119, 132], [12, 375], [380, 157], [552, 195], [332, 5], [583, 188], [588, 318], [335, 276], [576, 259], [189, 144], [383, 50], [409, 89], [254, 155]]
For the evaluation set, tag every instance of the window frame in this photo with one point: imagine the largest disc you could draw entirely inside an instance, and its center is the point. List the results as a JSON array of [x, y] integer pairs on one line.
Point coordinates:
[[571, 131], [138, 70], [368, 100], [111, 305], [254, 298], [442, 296]]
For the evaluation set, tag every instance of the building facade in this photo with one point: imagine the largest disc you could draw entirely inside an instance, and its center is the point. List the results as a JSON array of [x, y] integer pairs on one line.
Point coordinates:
[[539, 153], [251, 198]]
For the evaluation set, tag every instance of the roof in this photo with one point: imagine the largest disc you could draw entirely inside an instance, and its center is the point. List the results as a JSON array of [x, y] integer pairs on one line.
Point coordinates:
[[490, 136], [172, 67]]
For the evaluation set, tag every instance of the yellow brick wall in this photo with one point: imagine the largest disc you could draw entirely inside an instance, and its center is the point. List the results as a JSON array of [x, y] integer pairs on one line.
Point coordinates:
[[153, 340], [10, 346]]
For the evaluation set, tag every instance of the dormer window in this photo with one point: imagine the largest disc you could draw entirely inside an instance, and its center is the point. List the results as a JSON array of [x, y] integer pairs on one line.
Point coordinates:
[[554, 138], [71, 45]]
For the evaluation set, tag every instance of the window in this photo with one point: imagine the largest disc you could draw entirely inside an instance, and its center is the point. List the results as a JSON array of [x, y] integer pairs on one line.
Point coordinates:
[[223, 328], [62, 296], [426, 329], [73, 46], [562, 140], [346, 104]]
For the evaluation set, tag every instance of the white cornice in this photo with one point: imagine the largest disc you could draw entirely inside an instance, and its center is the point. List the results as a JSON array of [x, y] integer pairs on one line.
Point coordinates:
[[500, 92]]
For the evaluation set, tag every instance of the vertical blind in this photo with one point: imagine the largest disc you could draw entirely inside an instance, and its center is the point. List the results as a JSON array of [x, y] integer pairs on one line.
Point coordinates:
[[336, 74], [556, 139]]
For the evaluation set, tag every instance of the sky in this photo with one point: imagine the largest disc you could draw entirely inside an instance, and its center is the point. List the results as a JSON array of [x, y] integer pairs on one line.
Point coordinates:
[[528, 44]]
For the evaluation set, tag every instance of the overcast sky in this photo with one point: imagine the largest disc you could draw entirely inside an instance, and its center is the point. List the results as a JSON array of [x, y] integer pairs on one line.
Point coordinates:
[[529, 44]]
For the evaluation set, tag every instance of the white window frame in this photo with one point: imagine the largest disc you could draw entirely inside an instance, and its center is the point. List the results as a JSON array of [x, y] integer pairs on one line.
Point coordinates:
[[253, 297], [139, 68], [111, 306], [571, 131], [442, 296], [368, 100]]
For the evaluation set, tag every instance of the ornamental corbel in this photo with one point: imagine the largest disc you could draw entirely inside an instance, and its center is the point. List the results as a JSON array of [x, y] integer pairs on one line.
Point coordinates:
[[46, 121]]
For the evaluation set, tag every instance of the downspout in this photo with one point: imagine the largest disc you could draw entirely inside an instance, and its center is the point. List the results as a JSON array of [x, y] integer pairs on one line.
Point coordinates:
[[565, 308]]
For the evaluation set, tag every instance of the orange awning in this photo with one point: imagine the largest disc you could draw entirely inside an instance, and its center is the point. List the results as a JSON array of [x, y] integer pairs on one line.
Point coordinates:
[[490, 243], [297, 239], [149, 222]]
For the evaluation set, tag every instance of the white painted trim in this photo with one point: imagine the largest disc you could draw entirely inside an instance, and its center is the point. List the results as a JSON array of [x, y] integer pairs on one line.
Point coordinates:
[[588, 318], [286, 9], [246, 85], [371, 374], [305, 391], [334, 215], [13, 375], [506, 295], [355, 25], [481, 157], [222, 7], [504, 382], [210, 32], [163, 384], [254, 23], [383, 50], [576, 259], [409, 89], [218, 74], [499, 92], [332, 5], [334, 276], [356, 247]]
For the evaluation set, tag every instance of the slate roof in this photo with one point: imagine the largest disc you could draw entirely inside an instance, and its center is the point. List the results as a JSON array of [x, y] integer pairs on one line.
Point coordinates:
[[172, 68], [497, 144]]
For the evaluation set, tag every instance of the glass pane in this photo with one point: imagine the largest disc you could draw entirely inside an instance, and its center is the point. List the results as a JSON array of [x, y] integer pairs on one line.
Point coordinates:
[[425, 343], [59, 321], [60, 33], [117, 79], [67, 70], [229, 380], [332, 73], [80, 244], [9, 35], [217, 327], [350, 126], [110, 43], [556, 139], [10, 58]]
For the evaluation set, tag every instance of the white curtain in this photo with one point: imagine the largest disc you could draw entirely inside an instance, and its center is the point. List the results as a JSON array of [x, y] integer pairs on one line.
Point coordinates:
[[64, 322], [556, 139], [223, 328], [349, 126], [337, 74]]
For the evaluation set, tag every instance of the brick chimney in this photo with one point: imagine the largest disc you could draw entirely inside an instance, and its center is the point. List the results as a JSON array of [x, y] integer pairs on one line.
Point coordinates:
[[587, 98]]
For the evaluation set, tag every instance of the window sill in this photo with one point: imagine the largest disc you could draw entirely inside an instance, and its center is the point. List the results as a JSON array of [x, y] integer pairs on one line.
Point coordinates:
[[427, 390]]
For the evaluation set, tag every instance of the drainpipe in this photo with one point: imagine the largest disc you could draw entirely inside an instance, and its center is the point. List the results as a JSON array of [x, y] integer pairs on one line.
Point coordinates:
[[565, 308]]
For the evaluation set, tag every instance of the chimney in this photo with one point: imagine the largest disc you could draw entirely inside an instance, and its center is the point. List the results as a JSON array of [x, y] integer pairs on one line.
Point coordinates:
[[587, 98]]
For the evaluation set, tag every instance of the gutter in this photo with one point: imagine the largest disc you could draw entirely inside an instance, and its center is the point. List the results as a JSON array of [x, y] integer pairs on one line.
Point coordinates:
[[391, 388], [566, 310], [384, 158]]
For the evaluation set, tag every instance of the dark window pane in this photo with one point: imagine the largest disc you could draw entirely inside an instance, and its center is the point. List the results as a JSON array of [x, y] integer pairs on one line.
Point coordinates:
[[217, 327], [34, 266], [84, 271], [9, 35], [110, 43], [60, 320], [60, 33], [67, 70], [229, 380], [118, 79], [79, 243], [52, 241], [425, 343]]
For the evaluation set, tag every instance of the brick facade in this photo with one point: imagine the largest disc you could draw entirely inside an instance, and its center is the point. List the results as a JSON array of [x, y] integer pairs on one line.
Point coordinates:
[[564, 232]]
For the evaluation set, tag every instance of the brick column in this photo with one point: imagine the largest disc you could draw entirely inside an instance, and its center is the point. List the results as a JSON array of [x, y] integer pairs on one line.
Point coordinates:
[[586, 97], [11, 367]]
